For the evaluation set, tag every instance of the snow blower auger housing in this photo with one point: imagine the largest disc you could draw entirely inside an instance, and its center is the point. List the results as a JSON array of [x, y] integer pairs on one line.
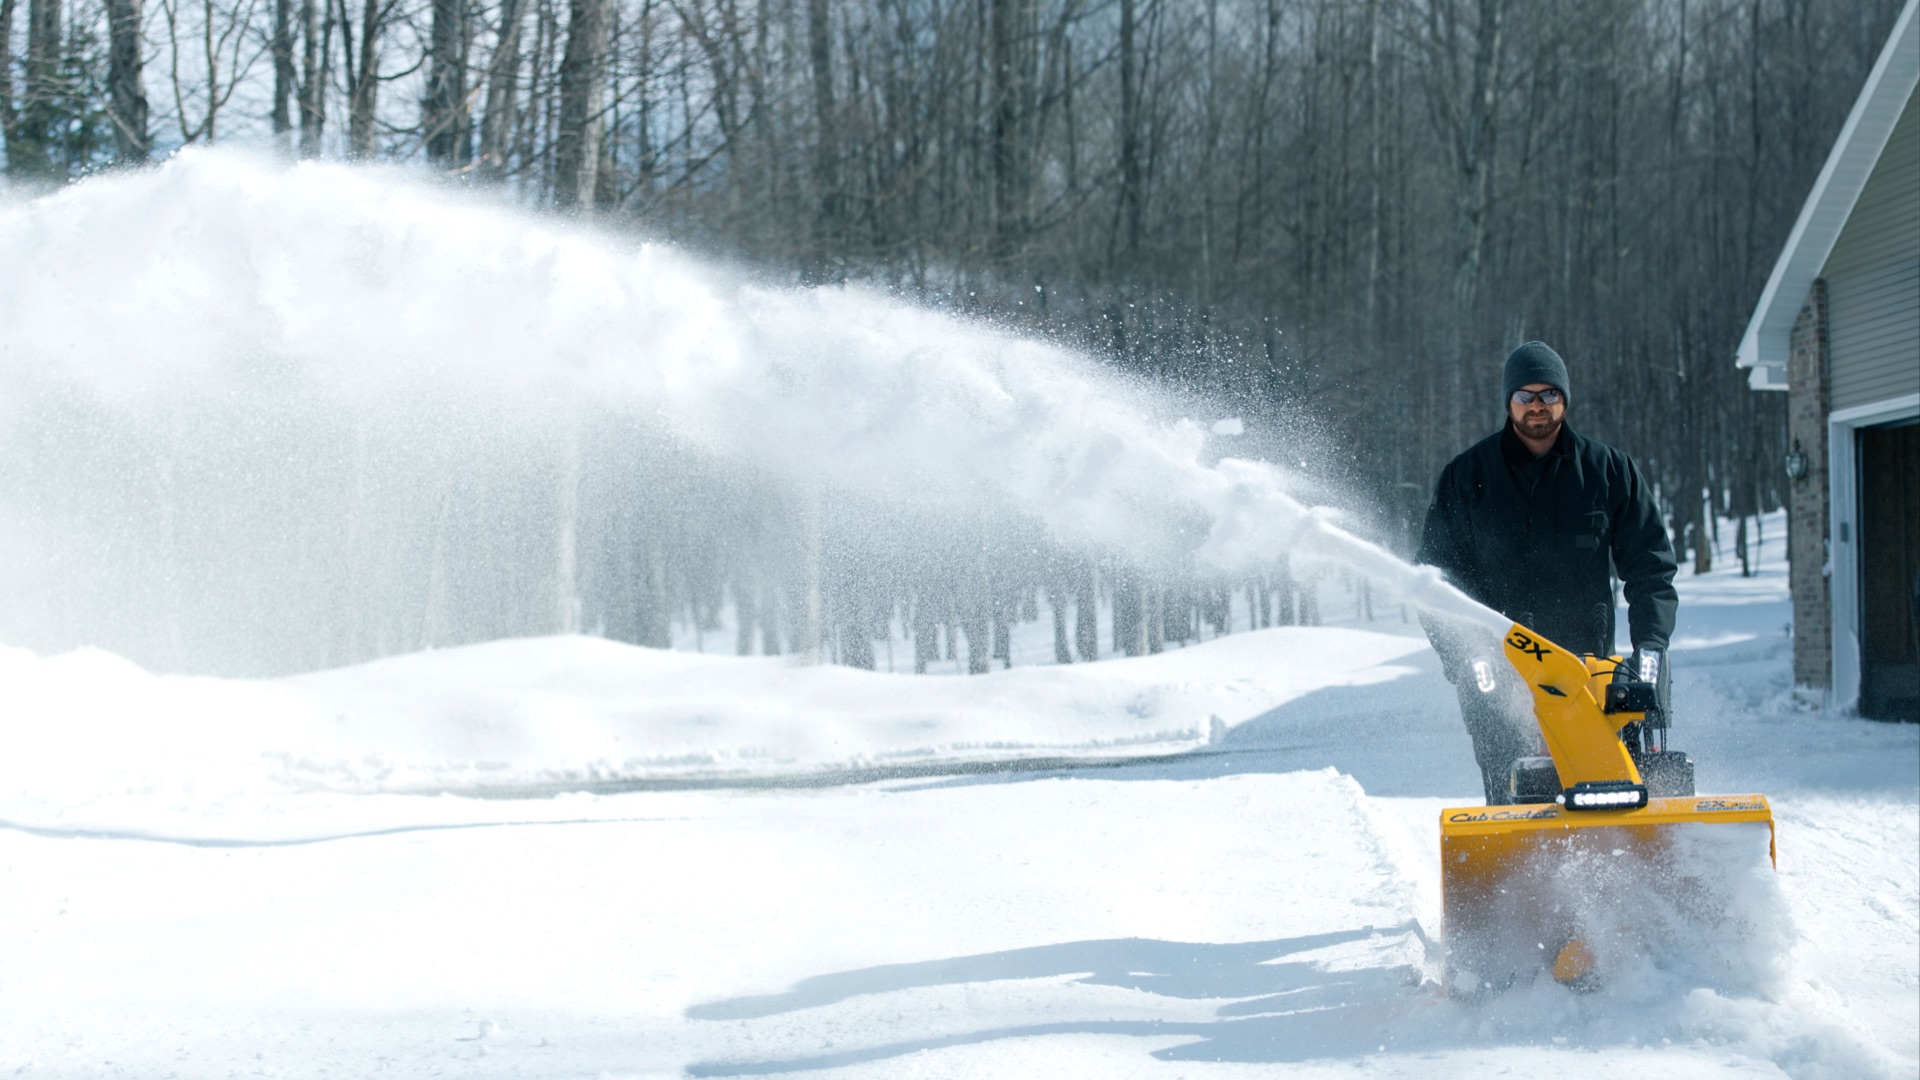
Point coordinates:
[[1604, 835]]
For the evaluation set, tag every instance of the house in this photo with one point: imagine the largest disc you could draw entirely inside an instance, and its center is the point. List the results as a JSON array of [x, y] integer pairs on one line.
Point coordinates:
[[1838, 329]]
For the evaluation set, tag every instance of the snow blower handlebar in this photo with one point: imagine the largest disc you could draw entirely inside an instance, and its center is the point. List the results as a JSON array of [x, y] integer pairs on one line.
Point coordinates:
[[1581, 710]]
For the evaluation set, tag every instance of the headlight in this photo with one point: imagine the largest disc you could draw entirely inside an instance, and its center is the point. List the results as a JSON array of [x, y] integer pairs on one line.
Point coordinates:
[[1604, 795]]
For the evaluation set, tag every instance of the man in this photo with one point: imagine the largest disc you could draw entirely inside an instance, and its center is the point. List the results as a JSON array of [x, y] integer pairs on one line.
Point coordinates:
[[1533, 521]]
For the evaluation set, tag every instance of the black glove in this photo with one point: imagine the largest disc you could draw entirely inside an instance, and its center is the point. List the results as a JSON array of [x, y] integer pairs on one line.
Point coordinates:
[[1647, 664]]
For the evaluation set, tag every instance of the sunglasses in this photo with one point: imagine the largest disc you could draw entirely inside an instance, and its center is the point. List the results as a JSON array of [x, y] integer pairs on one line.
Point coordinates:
[[1544, 397]]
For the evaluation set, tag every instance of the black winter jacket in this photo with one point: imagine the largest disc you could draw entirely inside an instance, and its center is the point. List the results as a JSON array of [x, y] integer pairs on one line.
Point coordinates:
[[1538, 539]]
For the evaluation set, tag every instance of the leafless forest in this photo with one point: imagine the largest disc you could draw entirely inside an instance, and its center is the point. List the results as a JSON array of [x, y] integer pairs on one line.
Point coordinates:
[[1334, 215]]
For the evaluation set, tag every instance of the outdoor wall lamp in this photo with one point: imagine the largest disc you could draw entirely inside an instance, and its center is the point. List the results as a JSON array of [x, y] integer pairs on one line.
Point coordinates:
[[1796, 462]]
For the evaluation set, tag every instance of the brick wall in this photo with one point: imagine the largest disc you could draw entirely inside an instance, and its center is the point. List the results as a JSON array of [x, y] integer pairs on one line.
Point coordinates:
[[1807, 500]]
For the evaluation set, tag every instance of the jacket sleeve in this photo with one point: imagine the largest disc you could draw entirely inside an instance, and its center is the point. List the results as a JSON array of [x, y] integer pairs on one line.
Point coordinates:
[[1443, 540], [1443, 546], [1643, 556]]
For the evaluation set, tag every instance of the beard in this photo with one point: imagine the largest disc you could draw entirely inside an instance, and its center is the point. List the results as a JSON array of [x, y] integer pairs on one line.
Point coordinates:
[[1538, 425]]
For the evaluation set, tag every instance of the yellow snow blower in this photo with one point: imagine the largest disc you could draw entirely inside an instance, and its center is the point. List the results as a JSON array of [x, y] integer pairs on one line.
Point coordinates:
[[1604, 839]]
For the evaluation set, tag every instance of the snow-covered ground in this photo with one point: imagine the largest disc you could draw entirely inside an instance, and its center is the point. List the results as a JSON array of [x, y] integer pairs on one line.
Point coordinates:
[[564, 857]]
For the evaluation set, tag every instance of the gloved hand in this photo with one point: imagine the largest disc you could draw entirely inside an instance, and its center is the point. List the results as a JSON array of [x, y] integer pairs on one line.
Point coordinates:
[[1647, 664]]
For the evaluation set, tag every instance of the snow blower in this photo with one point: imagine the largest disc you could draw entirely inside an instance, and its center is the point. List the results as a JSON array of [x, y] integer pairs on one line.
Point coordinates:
[[1606, 849]]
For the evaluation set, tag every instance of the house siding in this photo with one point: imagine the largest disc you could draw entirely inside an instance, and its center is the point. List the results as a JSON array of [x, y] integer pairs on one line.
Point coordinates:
[[1873, 281]]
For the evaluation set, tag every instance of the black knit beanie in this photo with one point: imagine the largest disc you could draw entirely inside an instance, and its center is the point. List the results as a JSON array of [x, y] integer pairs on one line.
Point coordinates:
[[1534, 362]]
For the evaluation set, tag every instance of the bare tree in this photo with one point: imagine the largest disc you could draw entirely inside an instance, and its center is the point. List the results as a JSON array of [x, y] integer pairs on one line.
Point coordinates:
[[127, 91], [577, 142], [1130, 214], [1331, 217], [284, 76], [30, 147], [503, 85], [6, 78], [1011, 32], [446, 118], [826, 153], [223, 37], [316, 57], [363, 79], [1465, 64]]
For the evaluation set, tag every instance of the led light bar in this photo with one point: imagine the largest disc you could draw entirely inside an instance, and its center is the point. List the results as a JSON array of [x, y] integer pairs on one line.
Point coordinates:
[[1604, 795]]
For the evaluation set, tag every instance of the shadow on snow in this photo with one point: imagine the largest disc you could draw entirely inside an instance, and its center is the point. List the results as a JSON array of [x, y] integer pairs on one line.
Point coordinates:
[[1284, 1010], [1373, 733]]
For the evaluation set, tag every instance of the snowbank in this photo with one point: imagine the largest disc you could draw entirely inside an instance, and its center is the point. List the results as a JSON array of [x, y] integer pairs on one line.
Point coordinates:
[[98, 743]]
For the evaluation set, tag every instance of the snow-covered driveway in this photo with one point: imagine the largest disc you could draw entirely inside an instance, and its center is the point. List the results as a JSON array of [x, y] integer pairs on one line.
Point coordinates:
[[198, 890]]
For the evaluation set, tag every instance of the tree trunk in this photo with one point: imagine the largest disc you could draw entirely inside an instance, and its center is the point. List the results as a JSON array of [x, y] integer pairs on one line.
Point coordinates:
[[745, 613], [503, 84], [1476, 154], [316, 58], [1153, 608], [1007, 26], [1466, 105], [1130, 614], [30, 151], [127, 90], [979, 631], [1086, 614], [1129, 201], [1370, 318], [1057, 600], [576, 151], [284, 75], [6, 77], [364, 98], [446, 119], [826, 160], [926, 634], [856, 629], [1283, 598], [656, 621], [998, 606]]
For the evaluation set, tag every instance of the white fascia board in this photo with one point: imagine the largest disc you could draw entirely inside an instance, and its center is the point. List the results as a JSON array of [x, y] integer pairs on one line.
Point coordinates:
[[1767, 377], [1825, 212]]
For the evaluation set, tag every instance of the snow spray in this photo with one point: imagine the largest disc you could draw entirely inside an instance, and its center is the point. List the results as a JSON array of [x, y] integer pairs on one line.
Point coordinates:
[[260, 418]]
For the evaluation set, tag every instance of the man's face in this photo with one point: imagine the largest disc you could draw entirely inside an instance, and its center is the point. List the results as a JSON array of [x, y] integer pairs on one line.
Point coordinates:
[[1537, 420]]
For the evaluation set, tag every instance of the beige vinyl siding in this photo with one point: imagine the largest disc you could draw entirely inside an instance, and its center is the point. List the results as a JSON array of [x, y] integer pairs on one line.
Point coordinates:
[[1873, 280]]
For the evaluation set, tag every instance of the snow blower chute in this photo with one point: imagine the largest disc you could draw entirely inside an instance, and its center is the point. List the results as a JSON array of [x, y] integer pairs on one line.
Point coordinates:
[[1606, 846]]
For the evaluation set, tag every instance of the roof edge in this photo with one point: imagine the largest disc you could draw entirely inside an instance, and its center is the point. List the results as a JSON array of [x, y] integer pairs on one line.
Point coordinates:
[[1864, 137]]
